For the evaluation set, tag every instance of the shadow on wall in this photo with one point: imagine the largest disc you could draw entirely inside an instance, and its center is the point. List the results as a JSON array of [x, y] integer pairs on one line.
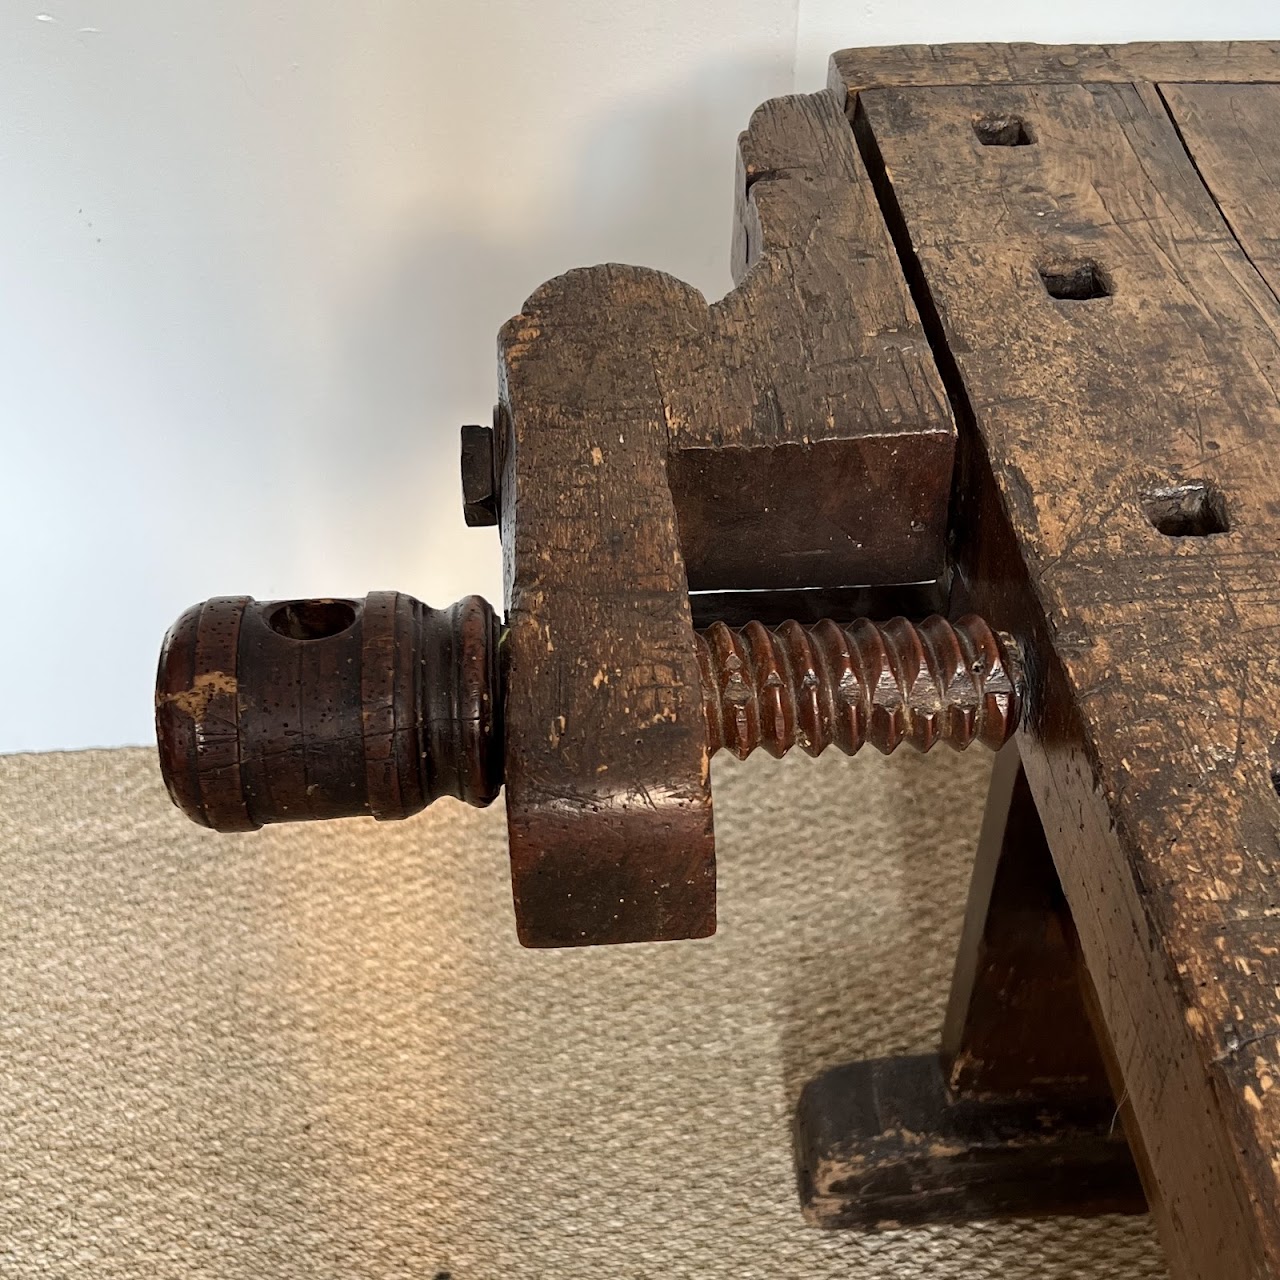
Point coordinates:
[[417, 355]]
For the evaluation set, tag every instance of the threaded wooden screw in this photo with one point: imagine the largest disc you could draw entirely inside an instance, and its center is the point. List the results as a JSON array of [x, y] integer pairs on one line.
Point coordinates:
[[280, 711], [827, 684]]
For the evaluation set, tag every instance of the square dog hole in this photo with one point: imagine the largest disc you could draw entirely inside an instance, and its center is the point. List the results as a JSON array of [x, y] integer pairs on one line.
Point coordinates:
[[1003, 131], [1078, 281], [1192, 510]]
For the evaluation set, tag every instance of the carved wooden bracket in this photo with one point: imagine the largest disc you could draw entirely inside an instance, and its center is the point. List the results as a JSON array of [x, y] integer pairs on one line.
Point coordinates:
[[794, 434]]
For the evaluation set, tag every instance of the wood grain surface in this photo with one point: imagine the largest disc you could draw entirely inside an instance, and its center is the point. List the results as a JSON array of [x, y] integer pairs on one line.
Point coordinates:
[[811, 445], [1118, 355], [606, 767], [1231, 134], [924, 65], [1016, 1022], [885, 1143]]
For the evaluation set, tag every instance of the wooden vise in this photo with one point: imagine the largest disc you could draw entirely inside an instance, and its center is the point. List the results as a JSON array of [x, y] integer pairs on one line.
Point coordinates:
[[794, 435]]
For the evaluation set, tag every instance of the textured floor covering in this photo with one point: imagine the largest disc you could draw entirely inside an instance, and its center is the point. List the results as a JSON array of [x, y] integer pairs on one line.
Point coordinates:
[[318, 1051]]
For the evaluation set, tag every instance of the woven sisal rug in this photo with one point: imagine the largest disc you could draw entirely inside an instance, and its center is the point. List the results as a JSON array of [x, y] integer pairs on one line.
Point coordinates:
[[319, 1052]]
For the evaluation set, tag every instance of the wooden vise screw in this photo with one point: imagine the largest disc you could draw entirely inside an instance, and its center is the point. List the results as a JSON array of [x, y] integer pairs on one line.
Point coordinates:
[[794, 435], [283, 711]]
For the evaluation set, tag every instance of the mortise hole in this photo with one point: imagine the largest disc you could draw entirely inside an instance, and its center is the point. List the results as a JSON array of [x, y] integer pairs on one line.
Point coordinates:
[[1075, 281], [312, 619], [1193, 510], [1003, 131]]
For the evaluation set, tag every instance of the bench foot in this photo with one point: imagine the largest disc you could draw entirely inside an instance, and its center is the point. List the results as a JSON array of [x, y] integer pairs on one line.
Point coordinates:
[[1015, 1115], [885, 1143]]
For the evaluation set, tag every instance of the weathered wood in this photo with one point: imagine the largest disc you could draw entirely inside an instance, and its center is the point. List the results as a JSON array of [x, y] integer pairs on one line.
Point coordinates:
[[1231, 135], [810, 445], [1015, 1115], [926, 65], [1016, 1021], [295, 710], [1154, 693], [608, 785], [886, 1144]]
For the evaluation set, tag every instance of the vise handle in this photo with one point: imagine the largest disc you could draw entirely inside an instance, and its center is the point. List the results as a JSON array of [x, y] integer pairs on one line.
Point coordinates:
[[281, 711]]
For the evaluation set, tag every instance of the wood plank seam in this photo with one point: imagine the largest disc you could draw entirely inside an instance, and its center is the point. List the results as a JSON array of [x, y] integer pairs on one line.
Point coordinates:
[[917, 283], [1213, 195]]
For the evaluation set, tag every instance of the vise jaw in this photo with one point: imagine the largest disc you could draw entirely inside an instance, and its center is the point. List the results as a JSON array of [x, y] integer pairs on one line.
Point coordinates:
[[648, 449]]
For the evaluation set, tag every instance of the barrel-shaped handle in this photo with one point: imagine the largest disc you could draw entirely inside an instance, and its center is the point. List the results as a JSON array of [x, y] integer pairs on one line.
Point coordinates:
[[285, 710]]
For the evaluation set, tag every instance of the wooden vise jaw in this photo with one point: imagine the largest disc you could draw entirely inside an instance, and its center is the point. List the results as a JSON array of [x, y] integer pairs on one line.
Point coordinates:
[[794, 434]]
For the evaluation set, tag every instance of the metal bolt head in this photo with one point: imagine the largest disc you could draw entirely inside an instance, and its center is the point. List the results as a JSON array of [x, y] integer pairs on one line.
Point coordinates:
[[479, 487]]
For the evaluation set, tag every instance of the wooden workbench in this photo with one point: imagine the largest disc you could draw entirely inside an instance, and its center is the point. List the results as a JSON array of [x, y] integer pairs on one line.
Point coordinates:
[[1090, 235]]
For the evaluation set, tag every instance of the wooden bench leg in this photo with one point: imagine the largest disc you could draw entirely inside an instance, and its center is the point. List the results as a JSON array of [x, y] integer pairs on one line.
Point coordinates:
[[1014, 1116]]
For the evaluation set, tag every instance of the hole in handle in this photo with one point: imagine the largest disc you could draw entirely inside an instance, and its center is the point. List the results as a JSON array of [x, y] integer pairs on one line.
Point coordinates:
[[311, 619]]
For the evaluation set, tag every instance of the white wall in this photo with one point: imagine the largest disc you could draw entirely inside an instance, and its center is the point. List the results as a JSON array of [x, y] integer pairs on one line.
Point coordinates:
[[253, 256]]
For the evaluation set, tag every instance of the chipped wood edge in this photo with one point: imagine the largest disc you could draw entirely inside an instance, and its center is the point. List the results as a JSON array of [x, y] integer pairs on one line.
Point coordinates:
[[850, 71]]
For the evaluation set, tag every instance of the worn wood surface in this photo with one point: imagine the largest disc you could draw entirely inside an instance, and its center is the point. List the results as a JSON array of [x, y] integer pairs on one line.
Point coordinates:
[[812, 445], [1016, 1023], [925, 65], [296, 710], [1015, 1115], [606, 767], [885, 1144], [815, 366], [1154, 691], [1231, 134]]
